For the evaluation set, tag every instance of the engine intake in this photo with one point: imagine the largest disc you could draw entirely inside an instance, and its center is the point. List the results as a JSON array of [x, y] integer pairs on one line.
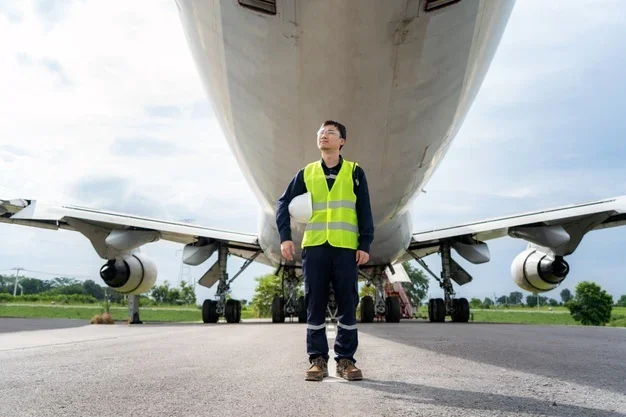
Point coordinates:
[[538, 272], [131, 274]]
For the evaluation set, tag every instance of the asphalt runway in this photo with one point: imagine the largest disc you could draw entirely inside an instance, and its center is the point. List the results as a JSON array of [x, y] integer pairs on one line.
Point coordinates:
[[257, 369]]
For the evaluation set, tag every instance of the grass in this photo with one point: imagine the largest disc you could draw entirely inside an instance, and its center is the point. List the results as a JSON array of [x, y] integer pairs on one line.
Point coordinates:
[[517, 315], [87, 312], [527, 315]]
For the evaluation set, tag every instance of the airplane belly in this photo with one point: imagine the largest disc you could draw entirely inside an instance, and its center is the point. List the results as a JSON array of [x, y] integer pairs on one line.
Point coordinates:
[[401, 79]]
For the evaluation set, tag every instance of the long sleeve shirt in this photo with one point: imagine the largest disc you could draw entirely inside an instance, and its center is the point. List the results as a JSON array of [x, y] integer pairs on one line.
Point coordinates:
[[297, 186]]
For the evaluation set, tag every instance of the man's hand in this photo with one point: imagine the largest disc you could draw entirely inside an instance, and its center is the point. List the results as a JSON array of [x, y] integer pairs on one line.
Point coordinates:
[[287, 249], [362, 257]]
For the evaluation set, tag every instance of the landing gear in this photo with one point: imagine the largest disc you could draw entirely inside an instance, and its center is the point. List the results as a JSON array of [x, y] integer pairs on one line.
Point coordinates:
[[133, 310], [367, 309], [230, 309], [289, 304], [380, 305], [438, 308], [393, 311]]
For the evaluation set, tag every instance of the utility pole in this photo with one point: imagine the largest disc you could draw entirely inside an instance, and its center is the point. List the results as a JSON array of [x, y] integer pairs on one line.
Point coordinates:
[[17, 277]]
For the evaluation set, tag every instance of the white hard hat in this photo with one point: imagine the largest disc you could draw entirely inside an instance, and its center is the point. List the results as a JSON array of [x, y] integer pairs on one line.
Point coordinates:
[[301, 208]]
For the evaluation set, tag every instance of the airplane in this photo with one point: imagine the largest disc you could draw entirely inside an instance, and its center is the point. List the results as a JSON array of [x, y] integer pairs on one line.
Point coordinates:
[[402, 76]]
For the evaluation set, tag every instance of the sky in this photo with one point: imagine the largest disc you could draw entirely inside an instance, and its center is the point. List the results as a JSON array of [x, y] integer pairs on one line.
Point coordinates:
[[102, 107]]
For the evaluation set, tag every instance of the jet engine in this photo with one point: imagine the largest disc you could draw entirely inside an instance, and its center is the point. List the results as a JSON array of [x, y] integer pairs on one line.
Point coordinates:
[[131, 274], [537, 272]]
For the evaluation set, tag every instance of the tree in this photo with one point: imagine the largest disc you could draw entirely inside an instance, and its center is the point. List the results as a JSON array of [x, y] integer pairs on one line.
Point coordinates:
[[476, 303], [488, 302], [531, 300], [502, 300], [187, 294], [553, 302], [59, 282], [566, 295], [94, 289], [267, 288], [367, 290], [417, 289], [160, 293], [516, 297], [34, 286], [591, 305], [622, 301]]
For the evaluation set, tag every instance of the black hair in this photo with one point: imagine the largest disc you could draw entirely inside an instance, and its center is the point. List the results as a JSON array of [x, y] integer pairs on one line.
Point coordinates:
[[342, 129]]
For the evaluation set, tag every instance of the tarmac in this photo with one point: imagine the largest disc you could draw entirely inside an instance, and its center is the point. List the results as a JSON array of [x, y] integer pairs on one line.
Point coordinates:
[[256, 368]]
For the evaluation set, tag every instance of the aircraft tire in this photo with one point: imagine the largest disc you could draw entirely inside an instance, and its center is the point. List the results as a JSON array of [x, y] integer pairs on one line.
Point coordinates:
[[439, 310], [209, 311], [232, 311], [367, 309], [278, 310], [431, 307], [463, 310], [393, 311]]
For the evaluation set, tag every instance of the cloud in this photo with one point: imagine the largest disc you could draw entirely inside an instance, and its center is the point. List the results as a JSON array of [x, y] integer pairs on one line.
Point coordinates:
[[51, 65], [201, 110], [164, 111], [11, 12], [116, 194], [51, 12], [143, 147], [15, 150]]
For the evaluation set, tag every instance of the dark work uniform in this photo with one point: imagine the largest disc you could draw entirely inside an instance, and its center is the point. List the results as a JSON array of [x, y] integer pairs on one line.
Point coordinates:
[[324, 264]]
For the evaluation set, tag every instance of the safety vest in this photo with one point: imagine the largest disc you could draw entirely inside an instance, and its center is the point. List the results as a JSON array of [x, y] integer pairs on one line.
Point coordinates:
[[334, 216]]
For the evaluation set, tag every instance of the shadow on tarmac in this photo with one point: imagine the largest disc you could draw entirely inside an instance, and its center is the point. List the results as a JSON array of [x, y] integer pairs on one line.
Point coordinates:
[[591, 356], [424, 394]]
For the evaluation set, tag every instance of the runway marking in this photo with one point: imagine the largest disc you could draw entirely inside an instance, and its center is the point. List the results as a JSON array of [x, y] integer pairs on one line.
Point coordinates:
[[332, 366]]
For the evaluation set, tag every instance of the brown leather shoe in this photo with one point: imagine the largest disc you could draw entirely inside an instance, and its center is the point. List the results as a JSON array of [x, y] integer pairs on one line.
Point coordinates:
[[318, 370], [347, 370]]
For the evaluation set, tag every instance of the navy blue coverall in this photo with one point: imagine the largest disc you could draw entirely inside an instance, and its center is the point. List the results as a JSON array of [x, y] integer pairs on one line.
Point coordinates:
[[325, 263]]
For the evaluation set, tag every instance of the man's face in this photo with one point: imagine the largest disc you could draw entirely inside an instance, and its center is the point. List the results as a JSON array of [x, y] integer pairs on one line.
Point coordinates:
[[328, 138]]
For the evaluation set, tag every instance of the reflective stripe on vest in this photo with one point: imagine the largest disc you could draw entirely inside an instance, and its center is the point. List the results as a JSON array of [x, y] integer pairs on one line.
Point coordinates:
[[334, 218]]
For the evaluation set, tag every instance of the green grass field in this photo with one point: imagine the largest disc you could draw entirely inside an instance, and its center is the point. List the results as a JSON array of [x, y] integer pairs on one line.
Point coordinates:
[[518, 315], [86, 312]]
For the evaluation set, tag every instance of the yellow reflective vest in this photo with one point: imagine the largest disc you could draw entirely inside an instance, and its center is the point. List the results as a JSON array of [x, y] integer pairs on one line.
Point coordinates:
[[334, 216]]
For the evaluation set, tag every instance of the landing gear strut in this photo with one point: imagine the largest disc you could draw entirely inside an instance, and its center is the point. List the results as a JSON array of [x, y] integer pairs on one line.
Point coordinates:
[[288, 304], [230, 309], [133, 310], [438, 308]]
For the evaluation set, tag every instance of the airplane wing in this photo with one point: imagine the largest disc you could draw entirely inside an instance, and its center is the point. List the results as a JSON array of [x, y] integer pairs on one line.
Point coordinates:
[[40, 214], [560, 229]]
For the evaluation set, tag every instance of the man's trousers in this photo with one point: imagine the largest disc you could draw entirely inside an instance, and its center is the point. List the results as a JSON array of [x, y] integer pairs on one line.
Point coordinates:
[[321, 266]]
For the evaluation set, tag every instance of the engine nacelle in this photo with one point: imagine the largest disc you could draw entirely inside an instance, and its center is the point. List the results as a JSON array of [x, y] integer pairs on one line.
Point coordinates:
[[538, 272], [131, 274]]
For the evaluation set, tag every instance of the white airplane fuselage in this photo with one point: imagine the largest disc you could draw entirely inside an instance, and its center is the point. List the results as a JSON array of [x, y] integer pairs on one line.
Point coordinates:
[[401, 80]]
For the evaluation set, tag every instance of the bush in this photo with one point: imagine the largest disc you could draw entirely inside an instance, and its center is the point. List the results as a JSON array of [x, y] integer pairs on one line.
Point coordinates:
[[43, 297], [104, 318], [591, 305]]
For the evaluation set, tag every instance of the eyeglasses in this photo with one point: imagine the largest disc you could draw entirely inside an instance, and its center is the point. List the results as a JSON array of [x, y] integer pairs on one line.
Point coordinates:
[[328, 132]]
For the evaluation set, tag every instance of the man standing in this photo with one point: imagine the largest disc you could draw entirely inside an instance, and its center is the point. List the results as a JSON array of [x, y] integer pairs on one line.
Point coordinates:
[[336, 242]]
